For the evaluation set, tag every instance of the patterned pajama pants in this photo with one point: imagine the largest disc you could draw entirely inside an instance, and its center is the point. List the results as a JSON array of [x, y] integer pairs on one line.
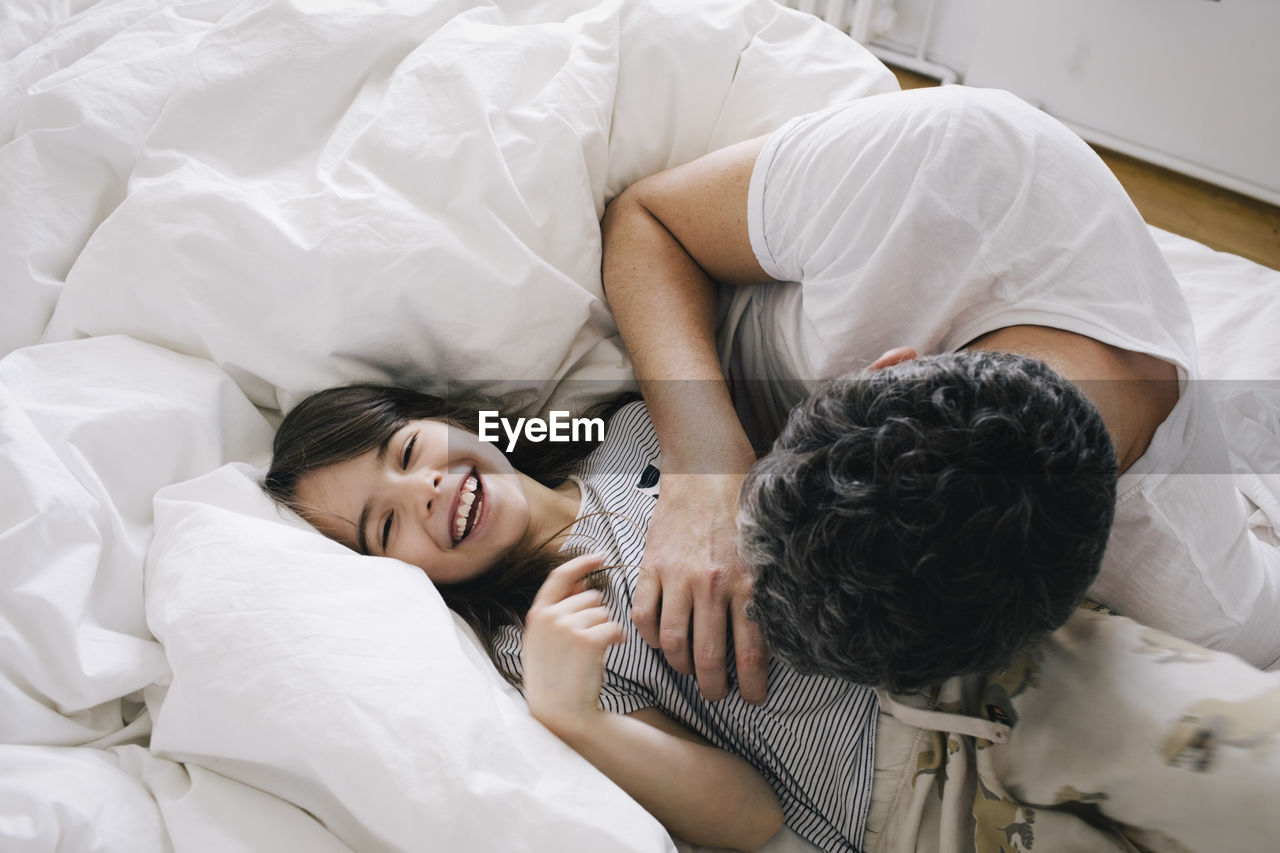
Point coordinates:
[[1107, 736]]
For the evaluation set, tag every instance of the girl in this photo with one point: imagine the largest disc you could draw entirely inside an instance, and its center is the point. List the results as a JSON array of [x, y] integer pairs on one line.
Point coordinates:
[[391, 472]]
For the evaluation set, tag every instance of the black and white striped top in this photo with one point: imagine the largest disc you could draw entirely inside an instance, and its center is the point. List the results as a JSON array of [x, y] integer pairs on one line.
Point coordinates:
[[813, 740]]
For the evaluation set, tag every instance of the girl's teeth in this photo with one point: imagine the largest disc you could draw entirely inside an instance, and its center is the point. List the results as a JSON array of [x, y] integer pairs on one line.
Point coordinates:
[[465, 503]]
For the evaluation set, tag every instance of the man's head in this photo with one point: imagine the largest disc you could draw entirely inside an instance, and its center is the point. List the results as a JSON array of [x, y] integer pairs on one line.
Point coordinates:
[[927, 519]]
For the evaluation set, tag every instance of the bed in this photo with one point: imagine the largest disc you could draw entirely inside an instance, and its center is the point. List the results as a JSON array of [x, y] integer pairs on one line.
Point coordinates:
[[211, 208]]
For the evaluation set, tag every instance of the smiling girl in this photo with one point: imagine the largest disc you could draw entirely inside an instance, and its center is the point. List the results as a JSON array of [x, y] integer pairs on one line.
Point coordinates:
[[393, 473]]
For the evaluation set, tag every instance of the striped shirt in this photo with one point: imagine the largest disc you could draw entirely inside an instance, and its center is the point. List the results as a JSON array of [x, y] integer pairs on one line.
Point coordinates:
[[813, 740]]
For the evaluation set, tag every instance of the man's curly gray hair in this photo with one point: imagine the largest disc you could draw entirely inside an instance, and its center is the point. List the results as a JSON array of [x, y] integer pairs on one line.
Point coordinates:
[[928, 519]]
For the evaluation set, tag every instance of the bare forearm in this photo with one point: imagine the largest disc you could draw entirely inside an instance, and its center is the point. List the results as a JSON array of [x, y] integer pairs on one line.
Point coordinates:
[[669, 241], [665, 306], [701, 794]]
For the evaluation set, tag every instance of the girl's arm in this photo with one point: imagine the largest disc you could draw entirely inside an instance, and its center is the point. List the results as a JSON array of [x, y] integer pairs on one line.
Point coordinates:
[[667, 240], [697, 791]]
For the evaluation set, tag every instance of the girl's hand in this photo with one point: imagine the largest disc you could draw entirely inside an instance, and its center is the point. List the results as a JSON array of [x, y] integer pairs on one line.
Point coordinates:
[[566, 634]]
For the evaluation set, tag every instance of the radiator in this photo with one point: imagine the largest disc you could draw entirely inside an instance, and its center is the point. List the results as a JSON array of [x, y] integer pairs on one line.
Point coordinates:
[[865, 20]]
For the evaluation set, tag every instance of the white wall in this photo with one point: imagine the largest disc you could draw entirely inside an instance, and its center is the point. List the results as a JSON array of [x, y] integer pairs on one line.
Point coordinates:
[[955, 30], [1190, 84]]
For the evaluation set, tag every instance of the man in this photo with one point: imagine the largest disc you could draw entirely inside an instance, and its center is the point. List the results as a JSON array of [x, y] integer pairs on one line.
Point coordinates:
[[936, 221]]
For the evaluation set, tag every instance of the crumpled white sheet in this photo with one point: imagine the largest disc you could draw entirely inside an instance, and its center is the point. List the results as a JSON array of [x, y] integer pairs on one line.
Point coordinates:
[[300, 194], [89, 431], [1236, 307], [1234, 304], [126, 799], [315, 193]]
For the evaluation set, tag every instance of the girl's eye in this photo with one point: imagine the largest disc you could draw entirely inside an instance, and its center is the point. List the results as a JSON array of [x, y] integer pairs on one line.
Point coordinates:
[[408, 451], [386, 532]]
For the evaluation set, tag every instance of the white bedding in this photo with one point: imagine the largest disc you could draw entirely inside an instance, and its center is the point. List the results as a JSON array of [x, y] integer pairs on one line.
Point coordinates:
[[210, 208]]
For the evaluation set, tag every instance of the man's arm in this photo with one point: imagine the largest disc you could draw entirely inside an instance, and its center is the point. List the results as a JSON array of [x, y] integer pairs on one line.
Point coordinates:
[[667, 240]]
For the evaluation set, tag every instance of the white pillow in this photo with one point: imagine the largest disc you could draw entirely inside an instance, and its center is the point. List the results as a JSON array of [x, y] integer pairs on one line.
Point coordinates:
[[341, 683], [89, 431]]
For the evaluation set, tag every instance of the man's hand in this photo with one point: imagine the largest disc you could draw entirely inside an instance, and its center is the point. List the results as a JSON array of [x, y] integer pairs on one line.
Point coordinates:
[[691, 575]]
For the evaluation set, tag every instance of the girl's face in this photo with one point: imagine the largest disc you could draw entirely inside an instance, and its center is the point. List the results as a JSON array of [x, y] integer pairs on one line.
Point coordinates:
[[433, 495]]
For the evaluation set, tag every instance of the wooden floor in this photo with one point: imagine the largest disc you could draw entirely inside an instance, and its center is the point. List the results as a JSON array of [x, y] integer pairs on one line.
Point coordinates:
[[1219, 218]]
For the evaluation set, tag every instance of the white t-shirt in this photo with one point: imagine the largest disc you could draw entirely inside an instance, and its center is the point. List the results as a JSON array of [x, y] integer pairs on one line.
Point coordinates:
[[929, 218]]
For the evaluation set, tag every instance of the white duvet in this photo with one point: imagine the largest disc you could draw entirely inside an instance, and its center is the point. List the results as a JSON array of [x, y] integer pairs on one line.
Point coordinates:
[[208, 209]]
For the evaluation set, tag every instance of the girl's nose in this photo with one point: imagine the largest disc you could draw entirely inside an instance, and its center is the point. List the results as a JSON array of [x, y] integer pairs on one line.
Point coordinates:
[[427, 492]]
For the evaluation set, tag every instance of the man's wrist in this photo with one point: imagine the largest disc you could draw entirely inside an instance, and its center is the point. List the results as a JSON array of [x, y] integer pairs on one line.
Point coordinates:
[[693, 456]]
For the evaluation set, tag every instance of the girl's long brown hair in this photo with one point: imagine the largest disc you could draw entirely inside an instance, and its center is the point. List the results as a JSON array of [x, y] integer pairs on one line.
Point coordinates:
[[342, 423]]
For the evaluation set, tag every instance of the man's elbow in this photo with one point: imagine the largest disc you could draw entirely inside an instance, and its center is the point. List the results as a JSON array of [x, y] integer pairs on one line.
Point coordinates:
[[613, 211], [628, 203], [623, 231]]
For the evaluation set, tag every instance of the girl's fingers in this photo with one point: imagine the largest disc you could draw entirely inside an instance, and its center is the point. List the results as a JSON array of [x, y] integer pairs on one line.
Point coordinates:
[[585, 619], [579, 601], [565, 578], [605, 634], [554, 610]]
